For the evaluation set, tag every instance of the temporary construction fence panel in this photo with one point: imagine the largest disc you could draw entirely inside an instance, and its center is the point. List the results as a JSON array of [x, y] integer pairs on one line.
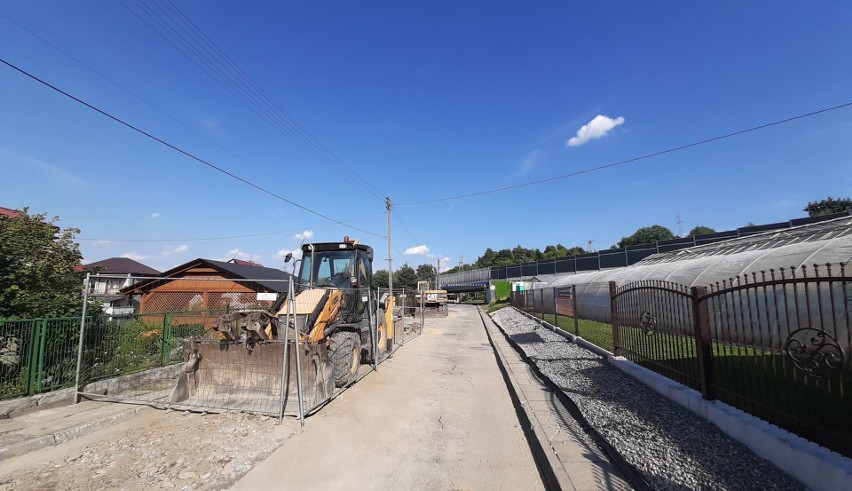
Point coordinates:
[[223, 348]]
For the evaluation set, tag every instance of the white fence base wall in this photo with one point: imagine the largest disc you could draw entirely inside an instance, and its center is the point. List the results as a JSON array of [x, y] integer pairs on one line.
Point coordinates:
[[813, 465]]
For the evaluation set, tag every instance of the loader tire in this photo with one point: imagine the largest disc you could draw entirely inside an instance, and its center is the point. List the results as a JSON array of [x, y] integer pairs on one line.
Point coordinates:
[[345, 353]]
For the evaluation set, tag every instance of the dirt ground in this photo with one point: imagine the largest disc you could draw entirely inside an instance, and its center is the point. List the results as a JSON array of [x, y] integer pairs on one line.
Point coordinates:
[[156, 450], [437, 415]]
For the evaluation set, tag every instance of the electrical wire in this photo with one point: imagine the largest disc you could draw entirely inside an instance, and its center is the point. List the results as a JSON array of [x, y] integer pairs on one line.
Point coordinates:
[[634, 159], [227, 237], [176, 29], [184, 152], [149, 104]]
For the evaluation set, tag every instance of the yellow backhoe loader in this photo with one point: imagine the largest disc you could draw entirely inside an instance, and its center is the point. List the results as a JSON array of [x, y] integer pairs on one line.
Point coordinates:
[[336, 316]]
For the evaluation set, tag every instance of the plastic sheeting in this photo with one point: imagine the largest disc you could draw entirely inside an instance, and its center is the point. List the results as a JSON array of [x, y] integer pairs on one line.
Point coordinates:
[[821, 243]]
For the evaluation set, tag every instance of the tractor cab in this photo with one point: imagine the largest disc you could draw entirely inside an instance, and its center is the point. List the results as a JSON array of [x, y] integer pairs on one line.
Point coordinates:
[[343, 265]]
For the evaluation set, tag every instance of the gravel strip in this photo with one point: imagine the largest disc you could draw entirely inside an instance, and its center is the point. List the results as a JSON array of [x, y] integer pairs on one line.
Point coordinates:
[[671, 446]]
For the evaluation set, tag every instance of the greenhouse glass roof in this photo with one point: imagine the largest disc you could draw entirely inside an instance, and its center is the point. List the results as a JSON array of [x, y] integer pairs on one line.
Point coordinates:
[[818, 243]]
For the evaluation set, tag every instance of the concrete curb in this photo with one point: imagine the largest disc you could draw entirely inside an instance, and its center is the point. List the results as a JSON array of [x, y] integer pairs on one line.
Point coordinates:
[[552, 472], [65, 434], [570, 464]]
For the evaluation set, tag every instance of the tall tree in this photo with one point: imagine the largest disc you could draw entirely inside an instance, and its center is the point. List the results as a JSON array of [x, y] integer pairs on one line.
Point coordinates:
[[700, 230], [37, 260], [828, 206], [647, 235], [425, 272], [405, 277], [486, 259], [380, 278]]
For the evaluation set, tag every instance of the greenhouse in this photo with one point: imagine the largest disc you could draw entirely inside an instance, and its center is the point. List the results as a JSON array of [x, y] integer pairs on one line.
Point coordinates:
[[816, 250]]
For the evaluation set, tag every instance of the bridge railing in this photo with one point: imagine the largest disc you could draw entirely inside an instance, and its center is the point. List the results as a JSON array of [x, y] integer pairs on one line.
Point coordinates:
[[481, 274]]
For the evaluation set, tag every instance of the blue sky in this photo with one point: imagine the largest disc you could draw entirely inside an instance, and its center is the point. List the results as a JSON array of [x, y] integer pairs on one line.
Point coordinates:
[[423, 100]]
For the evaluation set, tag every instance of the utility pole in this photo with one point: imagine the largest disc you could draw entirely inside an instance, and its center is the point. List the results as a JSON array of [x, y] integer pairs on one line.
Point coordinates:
[[438, 276], [390, 258], [679, 225]]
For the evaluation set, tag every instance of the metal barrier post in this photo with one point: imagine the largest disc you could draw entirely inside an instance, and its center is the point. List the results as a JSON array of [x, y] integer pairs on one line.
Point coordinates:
[[80, 342], [576, 310], [420, 294], [42, 350], [32, 365], [166, 340], [701, 324], [616, 333], [541, 303], [402, 311], [291, 314], [555, 309], [374, 328]]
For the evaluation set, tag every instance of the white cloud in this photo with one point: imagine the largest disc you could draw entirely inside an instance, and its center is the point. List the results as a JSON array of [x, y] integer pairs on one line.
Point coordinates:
[[54, 171], [135, 256], [596, 128], [155, 215], [169, 250], [420, 250], [297, 253], [238, 254], [527, 164], [307, 234]]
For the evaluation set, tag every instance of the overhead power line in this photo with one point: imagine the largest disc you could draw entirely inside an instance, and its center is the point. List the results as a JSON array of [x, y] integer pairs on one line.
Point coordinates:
[[149, 104], [182, 151], [227, 237], [168, 22], [633, 159]]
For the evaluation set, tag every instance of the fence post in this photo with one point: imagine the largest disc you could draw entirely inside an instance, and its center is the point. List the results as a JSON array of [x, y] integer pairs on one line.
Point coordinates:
[[555, 309], [701, 326], [541, 303], [576, 310], [613, 306], [42, 347], [166, 340], [80, 342], [32, 368]]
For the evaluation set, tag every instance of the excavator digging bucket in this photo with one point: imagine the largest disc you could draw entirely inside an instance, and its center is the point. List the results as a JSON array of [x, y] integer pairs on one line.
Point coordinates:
[[221, 375]]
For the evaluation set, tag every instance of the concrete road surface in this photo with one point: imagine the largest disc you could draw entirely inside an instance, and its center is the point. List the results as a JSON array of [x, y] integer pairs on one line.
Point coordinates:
[[436, 416]]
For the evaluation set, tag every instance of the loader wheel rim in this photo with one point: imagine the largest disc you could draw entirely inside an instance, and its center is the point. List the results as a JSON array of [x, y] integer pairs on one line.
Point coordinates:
[[356, 351]]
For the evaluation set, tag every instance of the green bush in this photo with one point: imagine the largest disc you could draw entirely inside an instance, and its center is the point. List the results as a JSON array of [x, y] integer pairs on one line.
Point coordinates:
[[502, 290], [130, 346]]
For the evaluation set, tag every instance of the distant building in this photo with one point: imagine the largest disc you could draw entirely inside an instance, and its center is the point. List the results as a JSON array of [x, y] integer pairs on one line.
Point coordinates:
[[8, 212], [113, 274], [243, 262], [205, 285]]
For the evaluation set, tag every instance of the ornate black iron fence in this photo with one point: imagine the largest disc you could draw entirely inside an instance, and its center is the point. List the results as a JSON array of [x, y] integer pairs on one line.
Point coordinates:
[[775, 344], [653, 326], [780, 349]]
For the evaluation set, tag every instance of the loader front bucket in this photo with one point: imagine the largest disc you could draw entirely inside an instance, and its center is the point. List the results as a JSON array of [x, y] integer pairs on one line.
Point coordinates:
[[220, 375]]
